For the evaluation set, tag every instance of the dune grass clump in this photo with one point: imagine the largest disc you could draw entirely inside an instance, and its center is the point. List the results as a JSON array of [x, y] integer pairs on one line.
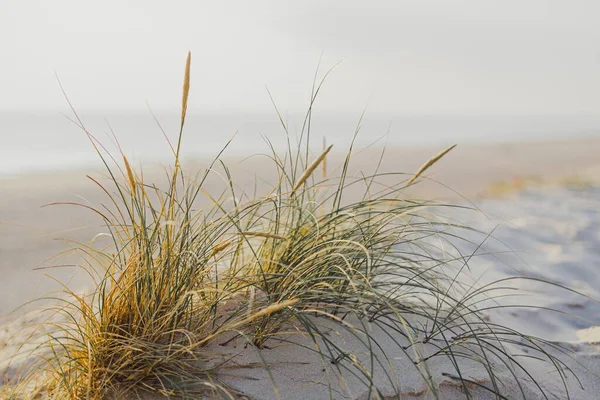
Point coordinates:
[[178, 282], [156, 302]]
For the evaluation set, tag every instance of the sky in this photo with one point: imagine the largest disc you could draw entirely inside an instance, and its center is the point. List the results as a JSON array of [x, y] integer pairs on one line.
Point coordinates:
[[422, 57]]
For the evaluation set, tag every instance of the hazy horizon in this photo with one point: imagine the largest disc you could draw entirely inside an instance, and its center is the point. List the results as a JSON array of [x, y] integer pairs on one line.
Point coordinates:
[[49, 141], [429, 72]]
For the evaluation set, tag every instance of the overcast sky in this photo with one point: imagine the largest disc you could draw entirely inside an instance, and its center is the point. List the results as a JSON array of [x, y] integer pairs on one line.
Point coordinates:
[[401, 57]]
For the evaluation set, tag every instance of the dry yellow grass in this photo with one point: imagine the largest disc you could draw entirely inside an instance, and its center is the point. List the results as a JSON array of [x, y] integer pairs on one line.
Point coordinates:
[[429, 163], [186, 88], [311, 168]]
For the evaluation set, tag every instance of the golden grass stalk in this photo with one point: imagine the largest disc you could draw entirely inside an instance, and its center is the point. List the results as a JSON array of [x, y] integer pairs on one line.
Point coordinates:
[[311, 168], [264, 235], [186, 88], [129, 174], [184, 104], [324, 164], [219, 248], [430, 162], [273, 308]]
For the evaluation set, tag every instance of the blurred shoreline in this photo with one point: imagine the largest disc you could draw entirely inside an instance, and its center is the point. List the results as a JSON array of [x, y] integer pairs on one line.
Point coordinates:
[[35, 142], [30, 233], [557, 226]]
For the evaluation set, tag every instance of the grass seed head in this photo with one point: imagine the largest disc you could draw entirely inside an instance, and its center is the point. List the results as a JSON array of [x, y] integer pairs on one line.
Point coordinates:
[[311, 168], [429, 163], [186, 88]]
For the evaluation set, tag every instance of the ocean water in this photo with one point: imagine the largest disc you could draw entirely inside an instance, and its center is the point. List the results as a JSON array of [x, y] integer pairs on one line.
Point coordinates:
[[31, 142]]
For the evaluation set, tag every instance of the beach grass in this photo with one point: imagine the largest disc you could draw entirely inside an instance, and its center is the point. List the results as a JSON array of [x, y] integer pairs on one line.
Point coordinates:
[[179, 282]]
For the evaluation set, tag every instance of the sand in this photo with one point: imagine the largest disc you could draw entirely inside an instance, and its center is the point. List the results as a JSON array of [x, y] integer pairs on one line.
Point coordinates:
[[554, 225]]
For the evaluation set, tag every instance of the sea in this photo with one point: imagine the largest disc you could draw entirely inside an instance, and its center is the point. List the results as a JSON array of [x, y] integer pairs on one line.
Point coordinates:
[[47, 141]]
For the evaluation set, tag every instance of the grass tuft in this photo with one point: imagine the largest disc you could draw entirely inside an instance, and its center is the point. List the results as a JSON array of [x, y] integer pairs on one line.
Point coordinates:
[[180, 281]]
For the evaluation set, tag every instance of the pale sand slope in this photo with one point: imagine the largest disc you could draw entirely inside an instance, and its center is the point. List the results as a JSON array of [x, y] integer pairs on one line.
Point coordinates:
[[555, 235], [27, 231]]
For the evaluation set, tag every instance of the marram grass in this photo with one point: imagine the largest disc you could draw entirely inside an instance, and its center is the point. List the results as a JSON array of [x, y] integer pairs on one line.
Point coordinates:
[[177, 282]]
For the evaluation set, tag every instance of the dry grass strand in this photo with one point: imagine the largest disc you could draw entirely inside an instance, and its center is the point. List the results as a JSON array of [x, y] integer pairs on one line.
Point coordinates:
[[311, 168], [219, 248], [130, 175], [324, 164], [429, 163], [264, 235], [186, 88]]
